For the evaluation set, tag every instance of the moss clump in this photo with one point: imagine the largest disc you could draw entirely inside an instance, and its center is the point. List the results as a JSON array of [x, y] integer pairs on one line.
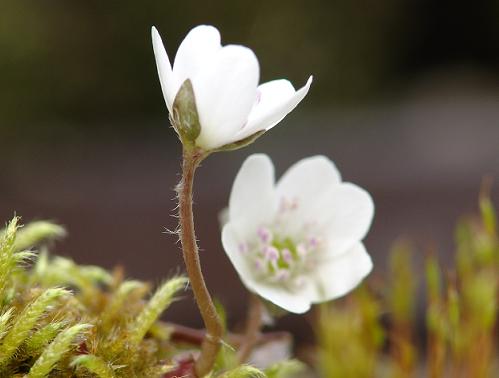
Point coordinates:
[[59, 319], [461, 313]]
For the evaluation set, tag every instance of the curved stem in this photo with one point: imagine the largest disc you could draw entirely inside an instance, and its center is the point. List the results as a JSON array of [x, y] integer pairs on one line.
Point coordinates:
[[212, 340], [253, 327]]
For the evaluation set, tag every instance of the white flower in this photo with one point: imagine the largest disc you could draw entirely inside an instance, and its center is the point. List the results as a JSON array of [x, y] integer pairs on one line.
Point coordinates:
[[230, 104], [297, 242]]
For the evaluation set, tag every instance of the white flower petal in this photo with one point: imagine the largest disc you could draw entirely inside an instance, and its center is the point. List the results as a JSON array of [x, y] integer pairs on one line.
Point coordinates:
[[252, 200], [225, 91], [277, 99], [164, 67], [345, 213], [308, 179], [296, 302], [231, 242], [336, 214], [199, 46], [336, 276], [270, 96]]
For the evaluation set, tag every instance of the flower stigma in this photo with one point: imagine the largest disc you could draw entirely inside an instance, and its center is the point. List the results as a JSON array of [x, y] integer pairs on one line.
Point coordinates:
[[279, 256]]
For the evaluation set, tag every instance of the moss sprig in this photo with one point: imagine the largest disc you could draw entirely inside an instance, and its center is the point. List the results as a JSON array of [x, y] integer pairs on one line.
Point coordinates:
[[461, 313], [61, 319]]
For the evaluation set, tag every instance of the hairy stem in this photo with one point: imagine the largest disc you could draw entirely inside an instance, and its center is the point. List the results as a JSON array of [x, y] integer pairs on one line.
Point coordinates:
[[212, 340], [253, 327]]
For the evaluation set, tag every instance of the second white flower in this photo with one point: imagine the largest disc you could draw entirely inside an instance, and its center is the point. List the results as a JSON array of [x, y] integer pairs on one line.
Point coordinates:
[[297, 242]]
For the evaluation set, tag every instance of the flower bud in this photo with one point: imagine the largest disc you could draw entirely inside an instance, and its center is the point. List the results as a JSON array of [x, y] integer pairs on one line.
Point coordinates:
[[185, 118]]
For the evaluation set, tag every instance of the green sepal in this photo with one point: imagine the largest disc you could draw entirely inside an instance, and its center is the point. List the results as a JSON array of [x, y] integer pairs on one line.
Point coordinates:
[[241, 143], [185, 116]]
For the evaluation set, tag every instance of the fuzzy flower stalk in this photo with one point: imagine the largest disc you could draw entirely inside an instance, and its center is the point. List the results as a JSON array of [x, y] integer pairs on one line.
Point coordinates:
[[215, 104], [298, 241]]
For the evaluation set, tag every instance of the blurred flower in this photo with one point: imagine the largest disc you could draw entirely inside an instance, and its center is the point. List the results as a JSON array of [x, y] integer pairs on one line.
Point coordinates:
[[297, 242], [272, 352], [230, 105]]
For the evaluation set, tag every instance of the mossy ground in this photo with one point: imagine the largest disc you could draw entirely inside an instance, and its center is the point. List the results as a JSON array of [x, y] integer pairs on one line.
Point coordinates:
[[379, 327], [60, 319]]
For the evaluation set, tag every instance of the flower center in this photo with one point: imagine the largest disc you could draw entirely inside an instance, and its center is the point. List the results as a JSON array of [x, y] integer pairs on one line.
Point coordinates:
[[280, 257]]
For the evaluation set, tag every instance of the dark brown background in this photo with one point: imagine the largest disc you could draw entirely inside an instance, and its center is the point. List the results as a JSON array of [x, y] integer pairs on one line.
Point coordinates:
[[405, 101]]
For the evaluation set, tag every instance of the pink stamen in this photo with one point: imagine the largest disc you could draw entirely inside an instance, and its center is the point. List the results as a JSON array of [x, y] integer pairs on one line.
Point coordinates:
[[264, 234], [271, 253], [287, 256], [282, 274], [313, 242]]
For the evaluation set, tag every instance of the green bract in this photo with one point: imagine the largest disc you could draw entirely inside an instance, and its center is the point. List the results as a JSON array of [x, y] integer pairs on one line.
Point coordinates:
[[185, 118]]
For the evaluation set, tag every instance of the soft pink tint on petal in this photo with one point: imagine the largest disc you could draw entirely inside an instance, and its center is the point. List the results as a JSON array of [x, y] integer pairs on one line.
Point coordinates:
[[225, 91], [270, 96], [276, 101], [164, 67]]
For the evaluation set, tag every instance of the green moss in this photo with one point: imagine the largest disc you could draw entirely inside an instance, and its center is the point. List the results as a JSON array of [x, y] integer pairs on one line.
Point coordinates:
[[60, 319], [462, 307], [158, 303], [57, 349], [27, 319]]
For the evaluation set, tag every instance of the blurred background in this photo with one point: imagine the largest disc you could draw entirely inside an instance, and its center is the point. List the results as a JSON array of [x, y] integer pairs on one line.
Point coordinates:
[[405, 100]]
